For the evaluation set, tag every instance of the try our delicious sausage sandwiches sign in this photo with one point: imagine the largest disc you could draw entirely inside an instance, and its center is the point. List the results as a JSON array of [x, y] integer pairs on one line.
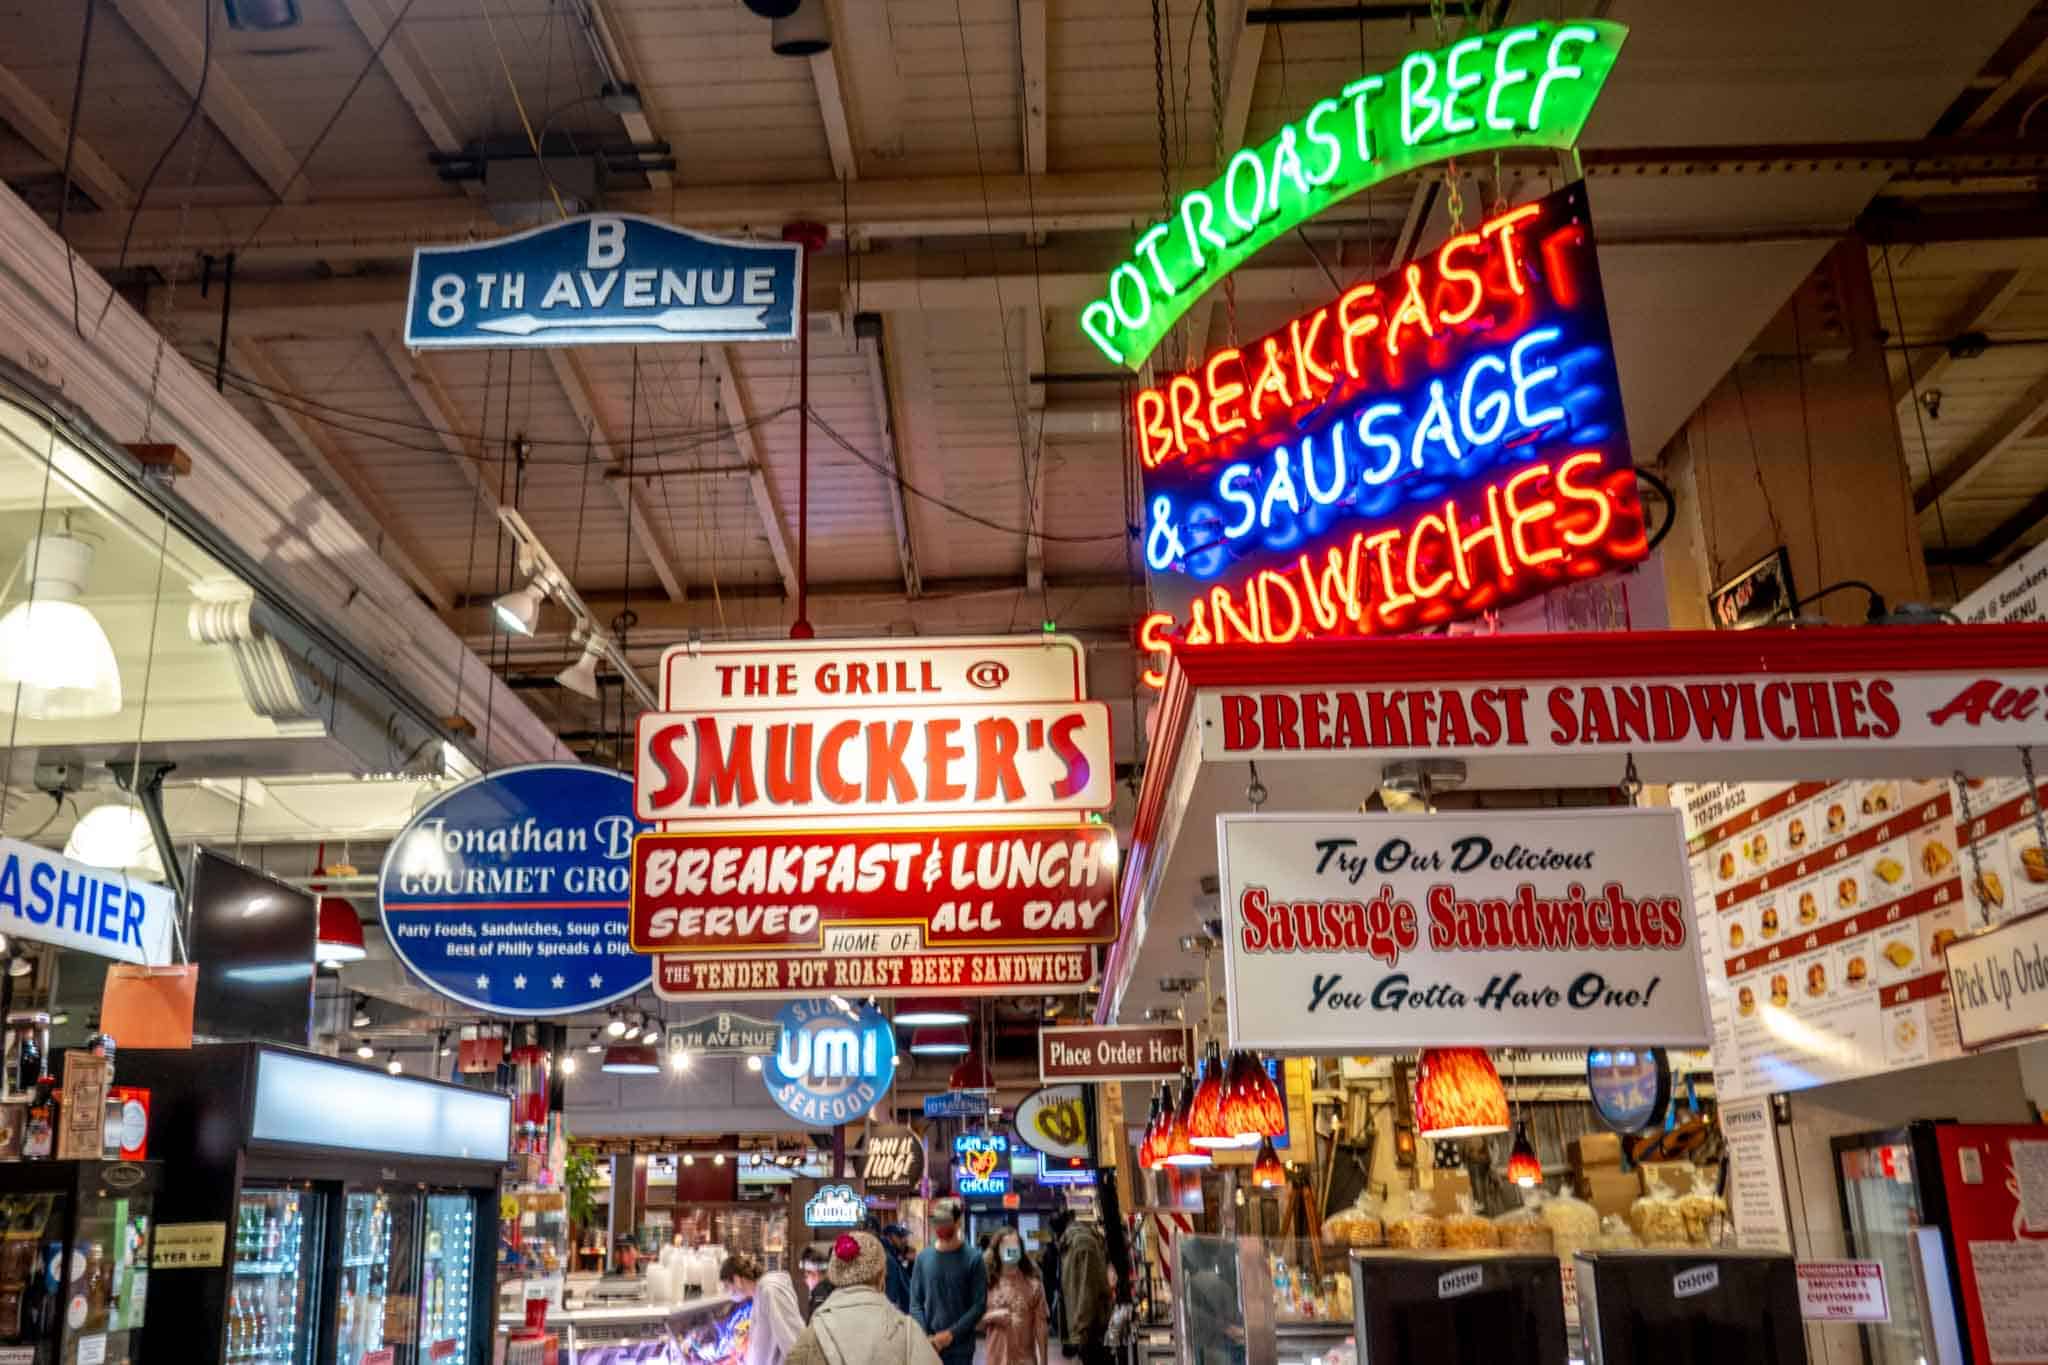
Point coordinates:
[[1544, 927]]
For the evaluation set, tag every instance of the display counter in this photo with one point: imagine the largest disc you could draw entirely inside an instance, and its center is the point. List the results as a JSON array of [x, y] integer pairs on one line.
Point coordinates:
[[705, 1331]]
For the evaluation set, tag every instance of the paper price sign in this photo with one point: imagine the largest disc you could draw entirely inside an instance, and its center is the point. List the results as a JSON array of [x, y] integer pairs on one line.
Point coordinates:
[[189, 1246]]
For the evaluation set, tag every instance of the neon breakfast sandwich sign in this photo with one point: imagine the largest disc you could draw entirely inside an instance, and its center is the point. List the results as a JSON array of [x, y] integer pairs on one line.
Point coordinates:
[[1529, 86], [1442, 440]]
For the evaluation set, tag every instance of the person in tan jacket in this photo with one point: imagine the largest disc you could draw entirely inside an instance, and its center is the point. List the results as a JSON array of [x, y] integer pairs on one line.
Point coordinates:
[[858, 1325]]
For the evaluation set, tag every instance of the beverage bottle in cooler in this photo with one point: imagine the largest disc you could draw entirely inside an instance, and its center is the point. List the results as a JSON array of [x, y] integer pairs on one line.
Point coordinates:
[[98, 1281]]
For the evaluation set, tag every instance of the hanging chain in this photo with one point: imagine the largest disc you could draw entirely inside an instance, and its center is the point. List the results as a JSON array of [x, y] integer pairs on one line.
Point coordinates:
[[1454, 198], [1216, 139], [1255, 790], [1159, 99], [1970, 836], [2034, 797], [1632, 783]]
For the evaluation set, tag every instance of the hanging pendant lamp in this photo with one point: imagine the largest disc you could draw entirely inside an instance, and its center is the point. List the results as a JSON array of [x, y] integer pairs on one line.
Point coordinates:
[[1267, 1172], [1206, 1129], [1523, 1167], [1458, 1094], [1148, 1145], [1180, 1151]]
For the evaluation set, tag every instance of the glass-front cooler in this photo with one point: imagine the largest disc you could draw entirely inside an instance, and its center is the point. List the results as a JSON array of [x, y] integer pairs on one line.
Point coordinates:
[[276, 1268], [1881, 1205], [351, 1197], [75, 1244], [448, 1279], [378, 1236]]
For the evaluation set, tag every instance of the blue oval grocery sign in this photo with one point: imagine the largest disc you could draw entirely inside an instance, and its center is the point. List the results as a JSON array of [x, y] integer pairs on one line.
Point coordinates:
[[510, 892], [831, 1064]]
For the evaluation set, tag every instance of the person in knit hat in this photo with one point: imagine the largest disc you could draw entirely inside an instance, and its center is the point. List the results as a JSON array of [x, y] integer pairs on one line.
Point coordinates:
[[858, 1325]]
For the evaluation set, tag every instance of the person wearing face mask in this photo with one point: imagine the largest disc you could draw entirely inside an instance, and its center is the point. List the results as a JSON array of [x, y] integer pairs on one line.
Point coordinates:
[[778, 1322], [949, 1287], [817, 1284], [857, 1325], [1015, 1322]]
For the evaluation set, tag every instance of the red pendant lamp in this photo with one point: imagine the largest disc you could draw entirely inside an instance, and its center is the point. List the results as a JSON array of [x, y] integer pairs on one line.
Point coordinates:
[[1523, 1167], [1267, 1172], [1206, 1129], [971, 1074], [1179, 1150], [1252, 1107], [1458, 1094], [1148, 1146]]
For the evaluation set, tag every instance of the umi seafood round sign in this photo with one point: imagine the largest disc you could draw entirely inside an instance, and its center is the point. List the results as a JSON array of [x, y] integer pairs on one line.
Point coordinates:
[[1536, 928]]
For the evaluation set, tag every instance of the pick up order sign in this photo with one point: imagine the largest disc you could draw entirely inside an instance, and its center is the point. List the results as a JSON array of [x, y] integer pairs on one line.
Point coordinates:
[[1538, 928]]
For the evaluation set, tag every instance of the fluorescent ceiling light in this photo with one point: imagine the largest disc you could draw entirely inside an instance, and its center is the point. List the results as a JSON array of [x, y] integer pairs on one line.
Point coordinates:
[[518, 612], [117, 837], [51, 646]]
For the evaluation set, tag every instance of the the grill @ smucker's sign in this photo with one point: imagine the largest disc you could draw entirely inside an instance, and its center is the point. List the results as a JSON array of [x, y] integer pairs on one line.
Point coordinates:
[[1533, 928]]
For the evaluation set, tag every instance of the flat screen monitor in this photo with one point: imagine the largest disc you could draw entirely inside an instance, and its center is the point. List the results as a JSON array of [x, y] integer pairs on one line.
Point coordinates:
[[1458, 1308], [253, 938], [1690, 1308]]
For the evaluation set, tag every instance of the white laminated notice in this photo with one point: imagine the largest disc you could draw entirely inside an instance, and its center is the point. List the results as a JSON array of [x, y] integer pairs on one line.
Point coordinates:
[[2030, 1170], [2012, 1296]]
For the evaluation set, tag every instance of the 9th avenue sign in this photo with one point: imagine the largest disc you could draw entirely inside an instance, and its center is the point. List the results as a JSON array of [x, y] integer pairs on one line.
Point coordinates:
[[1113, 1054]]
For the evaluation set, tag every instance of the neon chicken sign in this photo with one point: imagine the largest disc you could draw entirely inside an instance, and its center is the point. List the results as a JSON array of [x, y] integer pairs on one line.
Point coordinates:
[[1434, 443]]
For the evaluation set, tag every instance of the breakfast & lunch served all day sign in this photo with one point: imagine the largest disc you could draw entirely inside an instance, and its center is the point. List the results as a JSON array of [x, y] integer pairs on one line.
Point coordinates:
[[1543, 928]]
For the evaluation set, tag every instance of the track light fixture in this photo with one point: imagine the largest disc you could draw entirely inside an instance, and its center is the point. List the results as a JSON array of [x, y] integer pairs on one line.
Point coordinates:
[[581, 676], [518, 611]]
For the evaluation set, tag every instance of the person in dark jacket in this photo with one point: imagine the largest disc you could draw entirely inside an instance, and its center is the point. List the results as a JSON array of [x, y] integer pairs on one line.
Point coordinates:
[[896, 1248], [1084, 1284], [1055, 1302], [949, 1287]]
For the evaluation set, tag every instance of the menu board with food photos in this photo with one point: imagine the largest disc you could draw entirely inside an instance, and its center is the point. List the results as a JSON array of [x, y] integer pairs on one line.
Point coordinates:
[[1824, 911]]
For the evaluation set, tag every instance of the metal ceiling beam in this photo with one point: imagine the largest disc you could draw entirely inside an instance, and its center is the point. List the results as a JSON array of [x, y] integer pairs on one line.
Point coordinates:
[[869, 336], [2015, 424], [576, 388], [926, 207], [639, 126], [2023, 75], [409, 71], [827, 80], [739, 416], [1926, 365], [1032, 64], [948, 606], [358, 497], [423, 386], [169, 37], [2005, 537], [43, 128], [916, 420]]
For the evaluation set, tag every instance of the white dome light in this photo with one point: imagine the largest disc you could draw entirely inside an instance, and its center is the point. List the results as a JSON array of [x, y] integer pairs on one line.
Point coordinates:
[[116, 837], [52, 647]]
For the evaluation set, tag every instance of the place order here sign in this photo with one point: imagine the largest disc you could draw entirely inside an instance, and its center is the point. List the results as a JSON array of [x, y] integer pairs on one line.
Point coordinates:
[[881, 816]]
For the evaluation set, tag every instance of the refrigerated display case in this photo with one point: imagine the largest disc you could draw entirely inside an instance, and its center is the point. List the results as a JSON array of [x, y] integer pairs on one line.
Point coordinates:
[[1941, 1205], [276, 1267], [449, 1272], [75, 1245], [355, 1199]]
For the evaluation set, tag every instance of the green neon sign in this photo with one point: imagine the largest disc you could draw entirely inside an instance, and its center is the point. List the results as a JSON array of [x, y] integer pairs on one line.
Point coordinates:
[[1530, 86]]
